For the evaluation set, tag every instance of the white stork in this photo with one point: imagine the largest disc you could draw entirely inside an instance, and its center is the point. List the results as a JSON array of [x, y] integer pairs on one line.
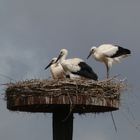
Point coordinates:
[[108, 54], [75, 66], [56, 69]]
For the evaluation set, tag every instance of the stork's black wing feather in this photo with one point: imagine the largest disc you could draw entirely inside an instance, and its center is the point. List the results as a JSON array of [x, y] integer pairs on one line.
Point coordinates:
[[120, 51], [86, 71]]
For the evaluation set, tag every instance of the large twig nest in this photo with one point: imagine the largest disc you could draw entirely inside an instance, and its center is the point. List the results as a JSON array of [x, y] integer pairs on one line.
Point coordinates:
[[47, 95]]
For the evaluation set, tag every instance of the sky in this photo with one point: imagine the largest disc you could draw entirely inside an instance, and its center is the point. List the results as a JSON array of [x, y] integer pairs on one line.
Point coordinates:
[[32, 32]]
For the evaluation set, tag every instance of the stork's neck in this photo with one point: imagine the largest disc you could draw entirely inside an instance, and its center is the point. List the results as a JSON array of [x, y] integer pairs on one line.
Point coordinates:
[[63, 58]]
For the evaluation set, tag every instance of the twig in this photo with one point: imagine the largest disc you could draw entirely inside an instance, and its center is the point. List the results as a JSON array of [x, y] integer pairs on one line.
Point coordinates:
[[113, 121], [109, 79], [71, 108]]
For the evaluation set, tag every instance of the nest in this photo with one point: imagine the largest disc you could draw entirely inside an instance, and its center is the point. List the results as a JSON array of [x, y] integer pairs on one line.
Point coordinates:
[[66, 91], [109, 88]]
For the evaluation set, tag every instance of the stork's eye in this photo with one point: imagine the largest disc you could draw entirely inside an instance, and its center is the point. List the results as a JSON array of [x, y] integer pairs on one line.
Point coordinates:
[[93, 50]]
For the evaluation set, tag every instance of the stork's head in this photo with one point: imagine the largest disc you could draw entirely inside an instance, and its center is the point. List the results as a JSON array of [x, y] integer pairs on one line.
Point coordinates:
[[53, 61], [63, 53], [92, 51]]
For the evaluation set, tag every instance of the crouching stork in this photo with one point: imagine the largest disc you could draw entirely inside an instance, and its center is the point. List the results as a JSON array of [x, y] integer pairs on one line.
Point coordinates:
[[75, 66]]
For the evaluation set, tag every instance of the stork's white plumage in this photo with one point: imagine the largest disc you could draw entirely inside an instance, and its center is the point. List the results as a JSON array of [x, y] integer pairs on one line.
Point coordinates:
[[76, 66], [108, 54], [56, 69]]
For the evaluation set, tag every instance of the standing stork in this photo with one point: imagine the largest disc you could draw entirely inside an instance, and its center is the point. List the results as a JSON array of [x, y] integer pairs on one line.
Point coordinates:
[[56, 69], [108, 54], [76, 66]]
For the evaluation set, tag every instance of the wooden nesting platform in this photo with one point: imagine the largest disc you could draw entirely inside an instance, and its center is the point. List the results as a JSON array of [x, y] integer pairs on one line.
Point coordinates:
[[80, 96]]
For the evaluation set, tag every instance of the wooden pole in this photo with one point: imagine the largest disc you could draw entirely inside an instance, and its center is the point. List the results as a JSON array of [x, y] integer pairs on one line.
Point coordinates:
[[62, 125]]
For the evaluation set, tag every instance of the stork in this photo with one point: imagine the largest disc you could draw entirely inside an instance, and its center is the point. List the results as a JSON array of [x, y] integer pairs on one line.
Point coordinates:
[[56, 69], [75, 66], [109, 54]]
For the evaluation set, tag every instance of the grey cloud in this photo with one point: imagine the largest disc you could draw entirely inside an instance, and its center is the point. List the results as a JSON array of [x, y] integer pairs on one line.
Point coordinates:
[[32, 32]]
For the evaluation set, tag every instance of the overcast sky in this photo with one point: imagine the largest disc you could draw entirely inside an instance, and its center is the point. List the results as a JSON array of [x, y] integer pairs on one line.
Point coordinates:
[[34, 31]]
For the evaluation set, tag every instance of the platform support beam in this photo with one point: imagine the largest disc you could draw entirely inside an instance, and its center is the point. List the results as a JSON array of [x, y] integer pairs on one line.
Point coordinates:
[[62, 125]]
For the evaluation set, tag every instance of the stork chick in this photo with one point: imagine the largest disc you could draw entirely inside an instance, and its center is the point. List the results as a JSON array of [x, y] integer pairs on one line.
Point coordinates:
[[56, 69], [75, 66]]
